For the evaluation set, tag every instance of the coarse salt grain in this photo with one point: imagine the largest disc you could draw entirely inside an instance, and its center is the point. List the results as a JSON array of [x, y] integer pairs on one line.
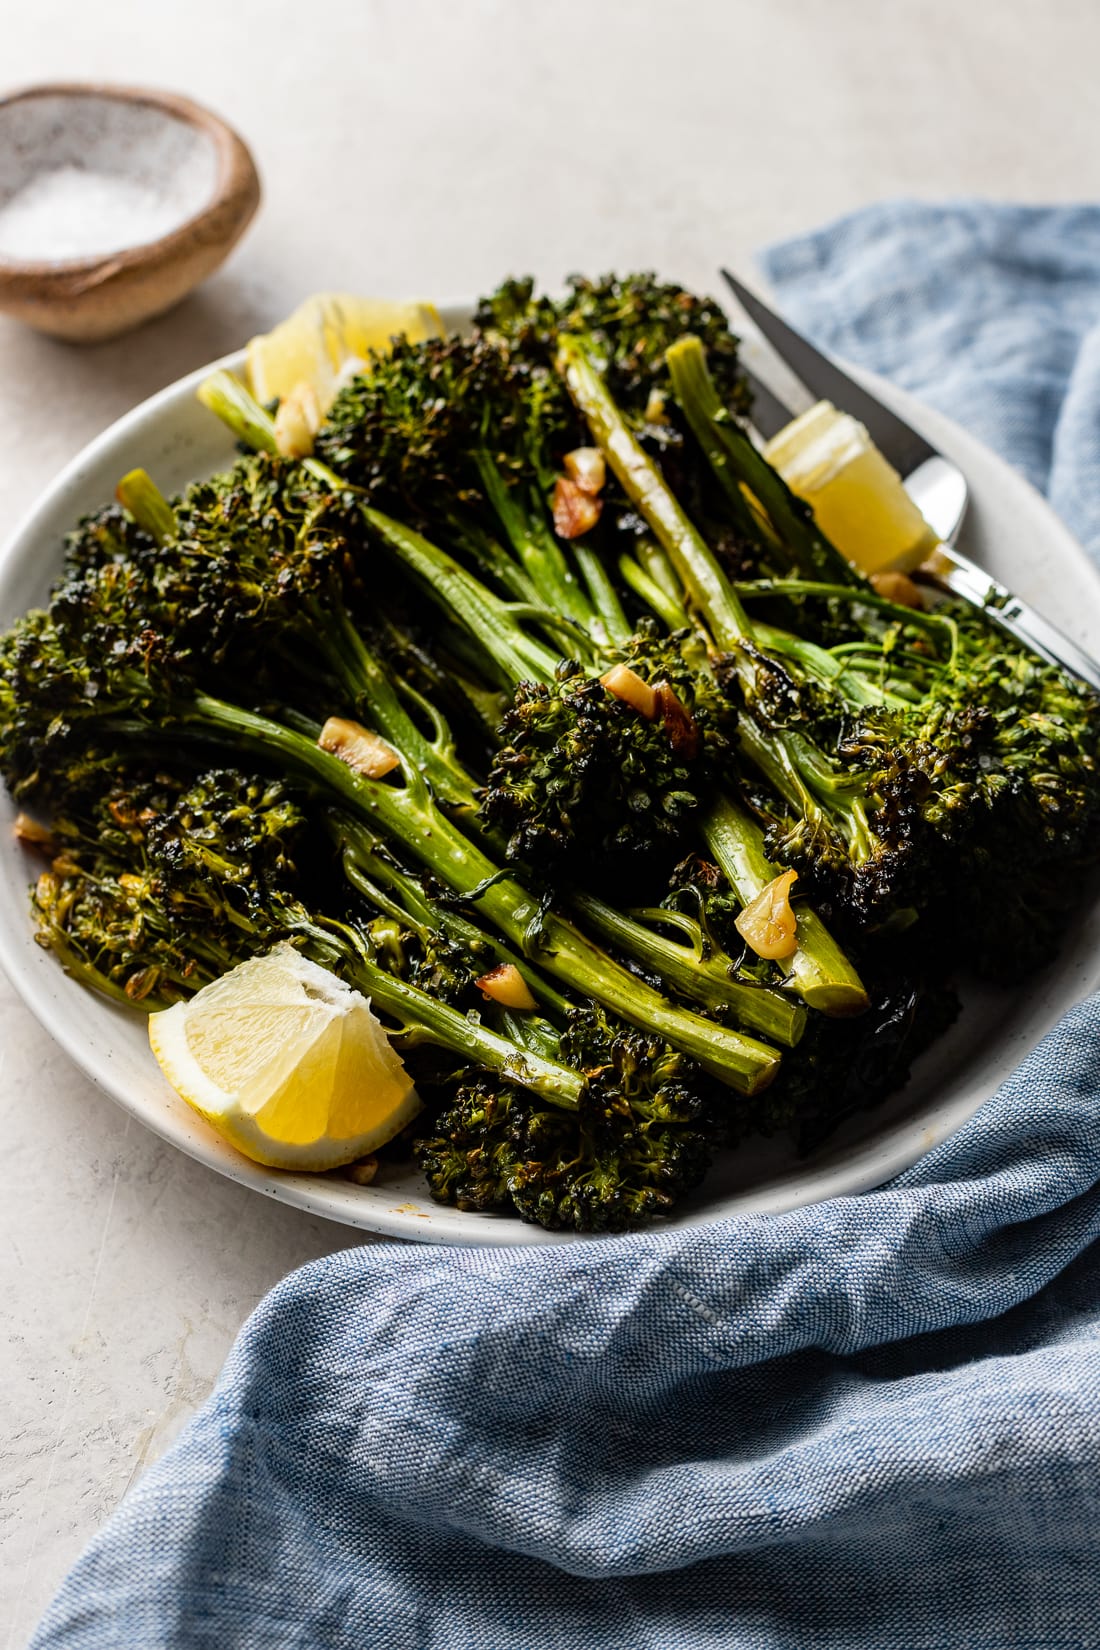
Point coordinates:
[[72, 212]]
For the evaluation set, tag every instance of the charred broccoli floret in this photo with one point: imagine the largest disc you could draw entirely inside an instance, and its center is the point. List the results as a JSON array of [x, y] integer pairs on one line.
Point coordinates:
[[584, 779], [634, 319], [849, 1066], [108, 534], [643, 1136]]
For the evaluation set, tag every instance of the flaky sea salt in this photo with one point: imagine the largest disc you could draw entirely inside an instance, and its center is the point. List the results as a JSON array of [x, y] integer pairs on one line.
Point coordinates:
[[73, 212]]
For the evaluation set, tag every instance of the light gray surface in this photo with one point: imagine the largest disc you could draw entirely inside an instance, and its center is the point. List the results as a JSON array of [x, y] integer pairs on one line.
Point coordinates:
[[399, 139]]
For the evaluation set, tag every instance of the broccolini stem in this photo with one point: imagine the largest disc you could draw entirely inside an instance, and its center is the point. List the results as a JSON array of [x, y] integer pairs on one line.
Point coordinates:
[[409, 816], [518, 655], [373, 694], [735, 460], [819, 971], [670, 613], [654, 562], [372, 875], [236, 406], [539, 552], [426, 1019], [74, 962], [577, 640], [772, 757], [491, 557], [825, 667], [703, 979], [445, 665], [809, 785], [647, 490], [226, 396], [530, 1031], [595, 607], [857, 595], [617, 628], [142, 499]]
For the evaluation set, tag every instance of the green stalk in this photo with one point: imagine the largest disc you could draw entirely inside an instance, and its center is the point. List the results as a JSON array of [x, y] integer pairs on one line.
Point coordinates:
[[670, 613], [226, 396], [373, 694], [539, 552], [76, 963], [459, 593], [491, 557], [547, 567], [819, 971], [573, 639], [735, 460], [858, 595], [236, 406], [377, 880], [810, 786], [530, 1031], [641, 480], [822, 666], [408, 815], [432, 1021], [427, 1020], [142, 499], [770, 756], [705, 979], [654, 561], [617, 628]]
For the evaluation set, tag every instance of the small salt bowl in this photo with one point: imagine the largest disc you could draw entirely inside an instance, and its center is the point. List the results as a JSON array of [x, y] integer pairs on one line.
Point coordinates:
[[114, 203]]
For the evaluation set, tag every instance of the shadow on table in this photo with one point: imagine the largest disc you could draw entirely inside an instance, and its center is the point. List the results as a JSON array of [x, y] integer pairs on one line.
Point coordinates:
[[114, 376]]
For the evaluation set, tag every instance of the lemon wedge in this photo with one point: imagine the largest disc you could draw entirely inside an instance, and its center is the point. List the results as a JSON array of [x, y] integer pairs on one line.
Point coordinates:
[[325, 338], [287, 1062], [857, 497]]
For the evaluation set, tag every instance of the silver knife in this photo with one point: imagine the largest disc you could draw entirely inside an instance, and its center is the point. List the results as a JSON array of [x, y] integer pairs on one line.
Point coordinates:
[[936, 485]]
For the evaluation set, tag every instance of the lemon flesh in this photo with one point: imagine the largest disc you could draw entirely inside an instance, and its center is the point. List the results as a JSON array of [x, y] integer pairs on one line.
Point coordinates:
[[326, 338], [287, 1062], [857, 497]]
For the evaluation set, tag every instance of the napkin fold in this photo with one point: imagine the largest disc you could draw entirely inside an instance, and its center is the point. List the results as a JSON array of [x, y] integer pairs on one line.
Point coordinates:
[[870, 1423]]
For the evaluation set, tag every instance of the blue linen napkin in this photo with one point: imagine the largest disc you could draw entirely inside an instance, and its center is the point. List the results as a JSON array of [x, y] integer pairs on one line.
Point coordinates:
[[873, 1423]]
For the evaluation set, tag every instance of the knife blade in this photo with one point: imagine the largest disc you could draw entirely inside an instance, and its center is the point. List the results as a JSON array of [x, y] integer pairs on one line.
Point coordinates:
[[940, 495], [905, 447]]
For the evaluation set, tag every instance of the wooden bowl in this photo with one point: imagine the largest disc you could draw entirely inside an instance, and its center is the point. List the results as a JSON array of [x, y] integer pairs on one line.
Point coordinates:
[[114, 203]]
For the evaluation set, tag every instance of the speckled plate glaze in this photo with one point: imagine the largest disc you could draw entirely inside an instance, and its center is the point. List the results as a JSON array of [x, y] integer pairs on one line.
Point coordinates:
[[1010, 530]]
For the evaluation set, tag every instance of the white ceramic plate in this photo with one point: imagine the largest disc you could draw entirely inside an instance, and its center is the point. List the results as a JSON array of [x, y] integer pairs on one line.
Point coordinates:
[[1010, 530]]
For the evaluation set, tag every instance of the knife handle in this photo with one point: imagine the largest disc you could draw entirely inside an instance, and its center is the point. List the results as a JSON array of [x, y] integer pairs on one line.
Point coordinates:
[[956, 573]]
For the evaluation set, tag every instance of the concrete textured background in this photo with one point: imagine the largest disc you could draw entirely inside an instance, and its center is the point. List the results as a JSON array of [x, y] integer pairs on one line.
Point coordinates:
[[417, 148]]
